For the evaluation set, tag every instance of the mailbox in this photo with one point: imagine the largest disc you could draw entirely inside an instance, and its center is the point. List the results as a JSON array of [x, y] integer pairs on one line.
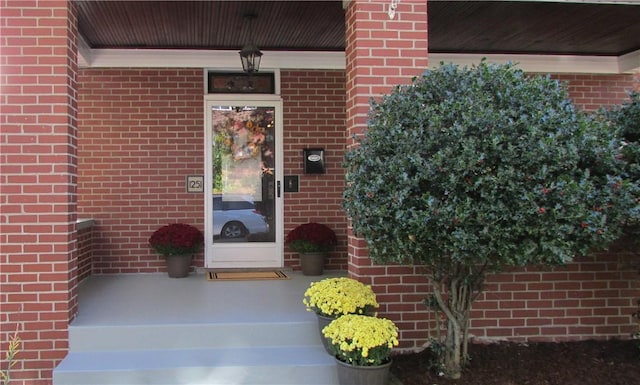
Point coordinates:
[[313, 160]]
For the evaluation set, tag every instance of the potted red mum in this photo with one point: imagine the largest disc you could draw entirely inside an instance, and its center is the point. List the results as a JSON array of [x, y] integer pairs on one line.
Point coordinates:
[[177, 242], [312, 241]]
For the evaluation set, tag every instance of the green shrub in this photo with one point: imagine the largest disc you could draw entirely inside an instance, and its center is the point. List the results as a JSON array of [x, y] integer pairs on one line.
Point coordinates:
[[474, 170]]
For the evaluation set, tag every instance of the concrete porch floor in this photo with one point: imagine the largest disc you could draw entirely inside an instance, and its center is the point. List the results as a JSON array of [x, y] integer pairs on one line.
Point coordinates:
[[139, 299]]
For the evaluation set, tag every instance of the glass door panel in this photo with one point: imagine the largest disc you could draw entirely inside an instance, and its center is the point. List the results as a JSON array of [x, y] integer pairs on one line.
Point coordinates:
[[243, 221]]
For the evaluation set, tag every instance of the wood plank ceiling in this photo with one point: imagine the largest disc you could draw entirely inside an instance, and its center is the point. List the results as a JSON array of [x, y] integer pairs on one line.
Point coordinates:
[[491, 27]]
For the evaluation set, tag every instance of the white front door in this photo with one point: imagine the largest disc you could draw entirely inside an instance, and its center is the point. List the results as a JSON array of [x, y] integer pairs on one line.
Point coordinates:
[[243, 174]]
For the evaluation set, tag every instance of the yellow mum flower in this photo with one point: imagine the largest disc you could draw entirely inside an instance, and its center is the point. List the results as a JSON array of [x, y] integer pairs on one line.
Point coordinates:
[[362, 340], [334, 297]]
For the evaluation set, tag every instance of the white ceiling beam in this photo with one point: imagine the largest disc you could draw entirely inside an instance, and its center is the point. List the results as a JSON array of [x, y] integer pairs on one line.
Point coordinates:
[[630, 62], [153, 58], [540, 63], [211, 59]]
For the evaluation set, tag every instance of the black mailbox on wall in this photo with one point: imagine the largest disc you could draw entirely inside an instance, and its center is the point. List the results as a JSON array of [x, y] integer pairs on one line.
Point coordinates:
[[313, 160]]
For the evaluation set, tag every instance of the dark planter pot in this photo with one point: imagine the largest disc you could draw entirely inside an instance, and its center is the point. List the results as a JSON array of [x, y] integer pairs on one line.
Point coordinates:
[[322, 322], [362, 375], [178, 266], [312, 263]]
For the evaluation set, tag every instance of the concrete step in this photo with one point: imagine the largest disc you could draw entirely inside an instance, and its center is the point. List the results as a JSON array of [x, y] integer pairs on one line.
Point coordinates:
[[149, 329], [246, 365], [256, 353], [192, 336]]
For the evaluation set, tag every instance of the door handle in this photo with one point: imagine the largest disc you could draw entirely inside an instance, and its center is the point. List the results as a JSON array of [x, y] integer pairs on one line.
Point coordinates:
[[278, 189]]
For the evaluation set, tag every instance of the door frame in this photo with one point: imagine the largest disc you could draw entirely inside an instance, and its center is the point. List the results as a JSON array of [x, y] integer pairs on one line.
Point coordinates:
[[247, 254]]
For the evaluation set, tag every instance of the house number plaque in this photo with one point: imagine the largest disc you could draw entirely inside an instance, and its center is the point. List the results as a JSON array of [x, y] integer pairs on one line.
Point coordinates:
[[195, 183]]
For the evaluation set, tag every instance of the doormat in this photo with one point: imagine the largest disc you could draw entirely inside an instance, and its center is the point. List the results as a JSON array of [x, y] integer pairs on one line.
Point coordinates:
[[245, 275]]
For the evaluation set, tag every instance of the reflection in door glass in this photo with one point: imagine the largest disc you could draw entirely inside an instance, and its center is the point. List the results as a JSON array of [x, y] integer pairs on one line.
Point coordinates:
[[243, 174]]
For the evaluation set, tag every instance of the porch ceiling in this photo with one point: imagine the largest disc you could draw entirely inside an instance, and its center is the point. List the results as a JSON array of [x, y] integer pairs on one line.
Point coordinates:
[[487, 27]]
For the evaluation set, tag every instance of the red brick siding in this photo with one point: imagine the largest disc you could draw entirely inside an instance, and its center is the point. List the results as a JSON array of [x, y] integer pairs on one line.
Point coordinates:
[[38, 179], [314, 117], [372, 70], [591, 298], [85, 249], [590, 92], [141, 133]]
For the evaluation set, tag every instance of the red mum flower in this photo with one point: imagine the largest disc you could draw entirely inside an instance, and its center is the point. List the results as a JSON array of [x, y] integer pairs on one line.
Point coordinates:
[[177, 239], [311, 237]]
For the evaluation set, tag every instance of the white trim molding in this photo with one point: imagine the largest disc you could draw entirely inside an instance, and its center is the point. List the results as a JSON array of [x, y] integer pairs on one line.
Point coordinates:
[[630, 62], [549, 63], [172, 58]]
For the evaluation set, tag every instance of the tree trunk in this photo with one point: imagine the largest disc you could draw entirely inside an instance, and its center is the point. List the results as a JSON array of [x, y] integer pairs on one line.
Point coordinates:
[[454, 295], [452, 360]]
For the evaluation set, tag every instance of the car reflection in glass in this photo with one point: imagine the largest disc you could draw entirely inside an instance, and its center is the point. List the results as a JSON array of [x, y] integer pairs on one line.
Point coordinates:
[[237, 218]]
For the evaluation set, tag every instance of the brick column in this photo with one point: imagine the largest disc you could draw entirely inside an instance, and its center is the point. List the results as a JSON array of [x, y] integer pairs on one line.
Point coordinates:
[[38, 182], [381, 53]]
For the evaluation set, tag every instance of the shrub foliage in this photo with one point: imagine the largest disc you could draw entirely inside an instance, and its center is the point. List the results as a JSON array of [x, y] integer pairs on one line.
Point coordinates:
[[473, 170], [626, 120]]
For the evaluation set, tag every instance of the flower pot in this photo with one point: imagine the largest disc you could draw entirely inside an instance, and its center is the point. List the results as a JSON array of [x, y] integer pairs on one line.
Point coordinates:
[[322, 322], [362, 375], [178, 266], [312, 263]]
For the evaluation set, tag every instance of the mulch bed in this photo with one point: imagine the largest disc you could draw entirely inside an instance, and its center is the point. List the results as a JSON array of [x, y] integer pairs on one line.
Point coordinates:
[[612, 362]]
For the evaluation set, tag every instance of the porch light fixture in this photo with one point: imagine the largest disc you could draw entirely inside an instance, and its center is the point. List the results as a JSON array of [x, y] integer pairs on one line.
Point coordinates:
[[250, 55]]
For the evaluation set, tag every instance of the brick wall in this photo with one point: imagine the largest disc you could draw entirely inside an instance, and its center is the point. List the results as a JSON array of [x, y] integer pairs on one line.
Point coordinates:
[[373, 69], [590, 92], [38, 179], [591, 298], [314, 117], [85, 249], [380, 53], [140, 134]]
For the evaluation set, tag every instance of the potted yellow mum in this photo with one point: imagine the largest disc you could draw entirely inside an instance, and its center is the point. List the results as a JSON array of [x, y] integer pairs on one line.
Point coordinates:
[[333, 297], [362, 347]]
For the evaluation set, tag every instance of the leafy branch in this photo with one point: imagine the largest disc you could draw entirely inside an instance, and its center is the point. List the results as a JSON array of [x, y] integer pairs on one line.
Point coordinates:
[[10, 356]]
